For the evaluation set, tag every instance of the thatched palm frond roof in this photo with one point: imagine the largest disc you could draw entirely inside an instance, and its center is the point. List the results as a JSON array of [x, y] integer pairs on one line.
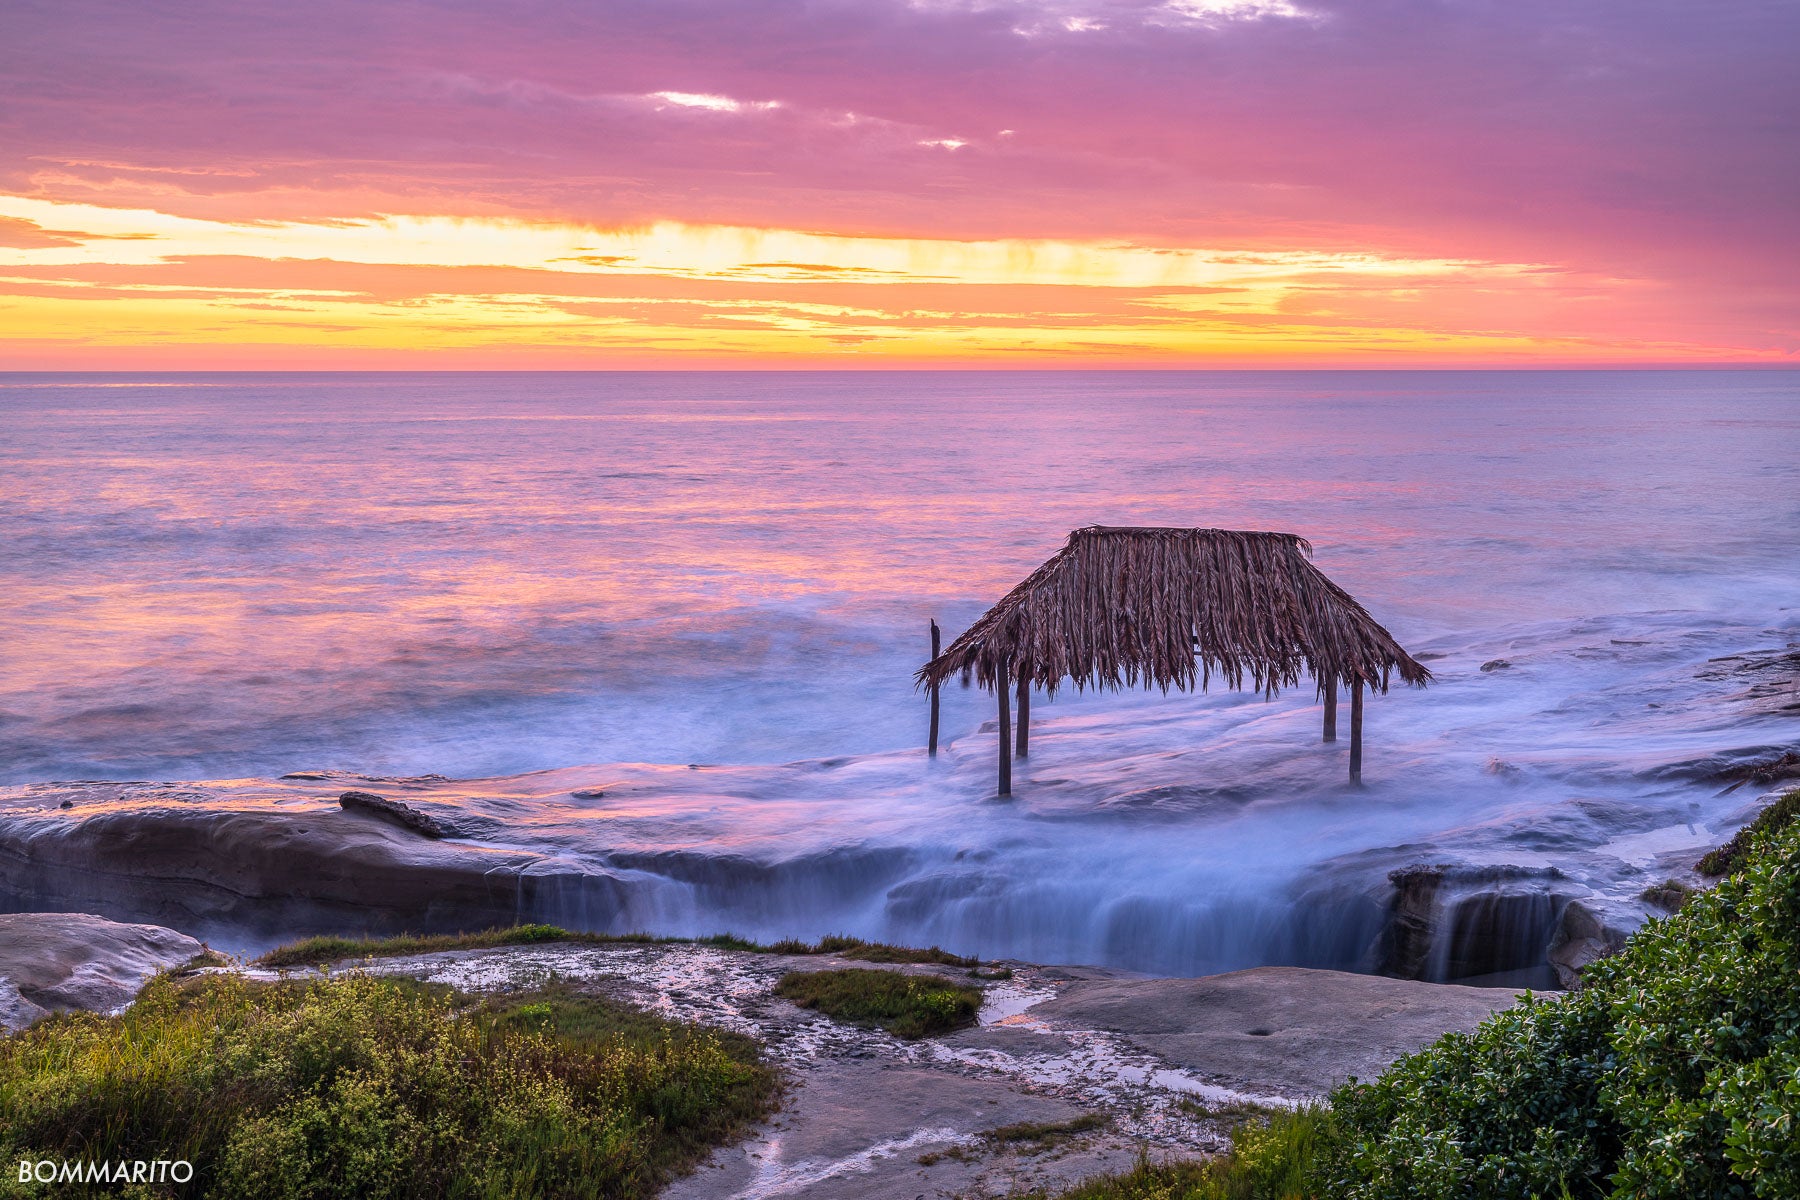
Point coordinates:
[[1123, 607]]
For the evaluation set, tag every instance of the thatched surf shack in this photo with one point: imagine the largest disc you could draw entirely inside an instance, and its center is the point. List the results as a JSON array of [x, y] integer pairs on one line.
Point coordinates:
[[1174, 608]]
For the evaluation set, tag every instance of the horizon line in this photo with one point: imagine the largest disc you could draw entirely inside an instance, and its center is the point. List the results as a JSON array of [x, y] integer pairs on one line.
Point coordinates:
[[1535, 368]]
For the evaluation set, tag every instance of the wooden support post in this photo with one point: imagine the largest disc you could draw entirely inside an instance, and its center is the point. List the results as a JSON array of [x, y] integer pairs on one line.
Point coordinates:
[[1356, 701], [932, 743], [1024, 715], [1002, 686], [1331, 710]]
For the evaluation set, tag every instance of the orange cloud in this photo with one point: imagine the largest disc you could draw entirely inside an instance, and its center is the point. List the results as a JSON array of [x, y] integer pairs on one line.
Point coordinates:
[[148, 286]]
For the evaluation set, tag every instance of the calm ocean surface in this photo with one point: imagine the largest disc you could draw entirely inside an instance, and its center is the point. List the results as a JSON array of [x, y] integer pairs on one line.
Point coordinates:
[[473, 574]]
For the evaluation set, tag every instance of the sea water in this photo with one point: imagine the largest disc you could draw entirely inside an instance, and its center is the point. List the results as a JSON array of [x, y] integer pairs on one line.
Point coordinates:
[[478, 575]]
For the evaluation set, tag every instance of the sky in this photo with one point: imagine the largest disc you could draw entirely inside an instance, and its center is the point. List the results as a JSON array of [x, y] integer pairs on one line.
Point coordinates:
[[359, 184]]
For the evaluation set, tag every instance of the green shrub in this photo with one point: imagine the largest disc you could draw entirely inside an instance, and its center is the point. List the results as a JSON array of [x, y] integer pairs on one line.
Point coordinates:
[[1674, 1074], [357, 1086], [1726, 859], [911, 1006]]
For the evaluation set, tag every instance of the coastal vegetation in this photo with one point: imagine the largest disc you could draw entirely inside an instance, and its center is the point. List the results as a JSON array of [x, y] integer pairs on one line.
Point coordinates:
[[1727, 858], [1673, 1073], [909, 1006], [1271, 1157], [369, 1087], [319, 951], [1043, 1134]]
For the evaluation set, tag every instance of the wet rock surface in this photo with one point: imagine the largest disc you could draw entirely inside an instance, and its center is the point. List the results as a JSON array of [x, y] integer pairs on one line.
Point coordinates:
[[393, 811], [246, 863], [1769, 678], [249, 875], [1451, 922], [1584, 935], [57, 962]]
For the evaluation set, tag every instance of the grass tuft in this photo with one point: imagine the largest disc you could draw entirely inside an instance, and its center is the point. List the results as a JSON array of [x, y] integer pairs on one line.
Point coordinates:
[[910, 1006], [1041, 1135], [1270, 1156]]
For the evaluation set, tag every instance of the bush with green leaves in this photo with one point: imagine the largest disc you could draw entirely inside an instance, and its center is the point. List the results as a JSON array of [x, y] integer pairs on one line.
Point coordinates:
[[1673, 1074], [1727, 858], [367, 1087]]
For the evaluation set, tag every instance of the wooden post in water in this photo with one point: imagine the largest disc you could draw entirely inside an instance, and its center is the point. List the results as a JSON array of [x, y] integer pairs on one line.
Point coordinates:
[[932, 743], [1356, 699], [1001, 686], [1331, 710], [1024, 715]]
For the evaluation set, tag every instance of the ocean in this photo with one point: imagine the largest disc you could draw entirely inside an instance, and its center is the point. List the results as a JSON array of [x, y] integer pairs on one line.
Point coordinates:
[[222, 576]]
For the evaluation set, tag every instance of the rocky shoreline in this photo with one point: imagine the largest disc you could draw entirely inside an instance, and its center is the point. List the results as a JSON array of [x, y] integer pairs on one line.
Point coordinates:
[[1095, 1065], [1071, 1071], [246, 864]]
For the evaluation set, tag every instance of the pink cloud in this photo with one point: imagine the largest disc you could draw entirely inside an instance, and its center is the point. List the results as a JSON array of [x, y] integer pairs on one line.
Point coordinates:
[[1641, 138]]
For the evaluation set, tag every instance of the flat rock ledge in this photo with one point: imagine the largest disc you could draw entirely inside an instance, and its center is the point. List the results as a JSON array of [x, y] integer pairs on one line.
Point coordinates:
[[1163, 1065], [58, 962], [1292, 1031]]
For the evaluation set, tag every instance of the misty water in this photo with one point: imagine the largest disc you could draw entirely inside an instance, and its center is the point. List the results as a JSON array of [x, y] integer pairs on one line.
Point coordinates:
[[722, 581]]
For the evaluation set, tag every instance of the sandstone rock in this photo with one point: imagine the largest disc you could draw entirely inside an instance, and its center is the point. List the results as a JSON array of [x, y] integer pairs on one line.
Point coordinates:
[[1455, 923], [1412, 921], [856, 1128], [246, 880], [1287, 1030], [1583, 936], [403, 815], [51, 962]]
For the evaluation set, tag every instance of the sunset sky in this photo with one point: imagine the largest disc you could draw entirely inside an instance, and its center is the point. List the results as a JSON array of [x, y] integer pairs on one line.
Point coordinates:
[[846, 183]]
